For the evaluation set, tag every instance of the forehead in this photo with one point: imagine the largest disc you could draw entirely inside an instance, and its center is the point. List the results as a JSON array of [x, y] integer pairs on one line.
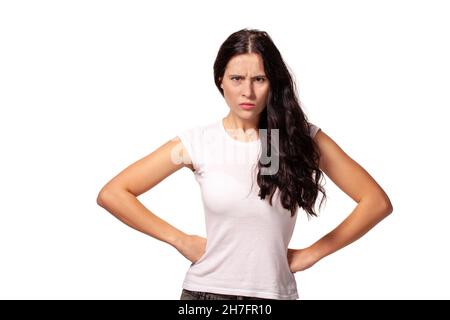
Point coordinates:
[[243, 63]]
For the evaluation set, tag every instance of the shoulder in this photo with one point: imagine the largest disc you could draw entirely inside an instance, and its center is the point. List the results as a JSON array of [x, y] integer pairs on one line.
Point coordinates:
[[193, 140], [313, 129]]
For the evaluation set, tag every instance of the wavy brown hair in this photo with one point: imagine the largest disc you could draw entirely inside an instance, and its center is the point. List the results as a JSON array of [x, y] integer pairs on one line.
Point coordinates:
[[298, 176]]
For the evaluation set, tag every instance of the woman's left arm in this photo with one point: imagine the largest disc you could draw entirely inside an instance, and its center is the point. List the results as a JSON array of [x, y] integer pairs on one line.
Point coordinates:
[[373, 204]]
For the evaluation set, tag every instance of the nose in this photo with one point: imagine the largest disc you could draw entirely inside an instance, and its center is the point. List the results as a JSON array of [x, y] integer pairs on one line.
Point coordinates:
[[247, 88]]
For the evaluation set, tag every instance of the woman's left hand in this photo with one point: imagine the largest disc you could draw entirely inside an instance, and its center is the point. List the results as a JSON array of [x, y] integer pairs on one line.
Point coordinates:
[[300, 259]]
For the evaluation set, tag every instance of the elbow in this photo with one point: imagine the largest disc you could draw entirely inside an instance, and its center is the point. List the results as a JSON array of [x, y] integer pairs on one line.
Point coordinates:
[[101, 198], [384, 204], [380, 203], [105, 196], [387, 206]]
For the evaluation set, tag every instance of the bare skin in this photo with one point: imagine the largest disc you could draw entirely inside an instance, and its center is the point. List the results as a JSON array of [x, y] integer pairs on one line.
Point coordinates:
[[373, 205], [119, 196]]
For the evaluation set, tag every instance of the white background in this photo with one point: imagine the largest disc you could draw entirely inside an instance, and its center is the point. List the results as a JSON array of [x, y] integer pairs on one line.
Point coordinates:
[[89, 87]]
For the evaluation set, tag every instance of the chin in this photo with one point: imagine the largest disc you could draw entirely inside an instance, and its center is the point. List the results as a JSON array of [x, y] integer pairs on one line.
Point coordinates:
[[247, 115]]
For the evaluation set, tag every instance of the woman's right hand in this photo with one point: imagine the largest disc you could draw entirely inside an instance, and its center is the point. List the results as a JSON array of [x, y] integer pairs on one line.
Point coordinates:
[[192, 247]]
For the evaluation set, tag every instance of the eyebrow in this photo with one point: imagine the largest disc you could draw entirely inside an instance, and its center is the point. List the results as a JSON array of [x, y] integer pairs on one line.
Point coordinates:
[[258, 76]]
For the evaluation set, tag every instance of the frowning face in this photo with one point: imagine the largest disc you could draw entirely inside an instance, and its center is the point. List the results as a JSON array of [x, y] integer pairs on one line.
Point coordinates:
[[245, 85]]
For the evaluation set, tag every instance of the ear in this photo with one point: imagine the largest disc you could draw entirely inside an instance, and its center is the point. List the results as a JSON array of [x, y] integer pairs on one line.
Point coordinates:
[[221, 84]]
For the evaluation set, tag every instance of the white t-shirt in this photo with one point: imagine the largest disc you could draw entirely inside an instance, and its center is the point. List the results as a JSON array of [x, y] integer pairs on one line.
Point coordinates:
[[247, 238]]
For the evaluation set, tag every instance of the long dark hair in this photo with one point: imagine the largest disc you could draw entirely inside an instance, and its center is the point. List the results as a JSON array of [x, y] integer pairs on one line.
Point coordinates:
[[298, 176]]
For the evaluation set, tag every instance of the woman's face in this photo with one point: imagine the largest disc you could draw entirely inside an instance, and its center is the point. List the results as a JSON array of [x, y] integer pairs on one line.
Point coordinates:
[[245, 81]]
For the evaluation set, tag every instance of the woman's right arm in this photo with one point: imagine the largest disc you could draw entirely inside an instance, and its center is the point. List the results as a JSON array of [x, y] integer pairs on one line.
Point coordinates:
[[119, 197]]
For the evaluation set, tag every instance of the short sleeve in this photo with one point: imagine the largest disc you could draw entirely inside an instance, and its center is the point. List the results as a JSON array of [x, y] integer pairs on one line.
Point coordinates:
[[313, 129], [188, 139]]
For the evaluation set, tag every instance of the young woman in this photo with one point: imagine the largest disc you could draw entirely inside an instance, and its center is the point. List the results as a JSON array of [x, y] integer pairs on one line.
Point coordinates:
[[256, 167]]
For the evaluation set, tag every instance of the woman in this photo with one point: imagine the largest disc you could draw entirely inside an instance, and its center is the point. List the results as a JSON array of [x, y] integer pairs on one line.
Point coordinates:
[[251, 196]]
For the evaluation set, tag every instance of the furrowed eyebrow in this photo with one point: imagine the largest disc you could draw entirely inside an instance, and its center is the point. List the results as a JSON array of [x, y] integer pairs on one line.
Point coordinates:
[[258, 76]]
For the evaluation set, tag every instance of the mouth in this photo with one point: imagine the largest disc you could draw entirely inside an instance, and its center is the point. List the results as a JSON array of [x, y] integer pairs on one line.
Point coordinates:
[[247, 106]]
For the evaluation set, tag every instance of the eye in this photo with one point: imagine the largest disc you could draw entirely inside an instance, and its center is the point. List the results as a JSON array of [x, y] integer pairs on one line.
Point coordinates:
[[260, 79], [235, 78]]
